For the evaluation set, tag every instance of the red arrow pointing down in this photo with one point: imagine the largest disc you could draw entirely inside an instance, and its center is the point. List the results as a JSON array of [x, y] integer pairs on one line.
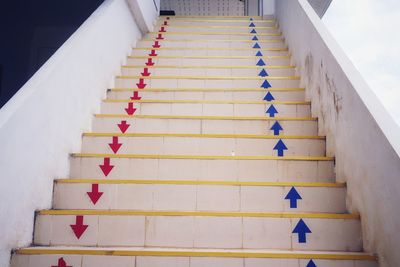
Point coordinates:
[[165, 23], [79, 228], [153, 53], [106, 167], [123, 126], [145, 72], [136, 96], [95, 195], [130, 110], [141, 84], [162, 29], [115, 146], [156, 44], [61, 263], [159, 37], [149, 62]]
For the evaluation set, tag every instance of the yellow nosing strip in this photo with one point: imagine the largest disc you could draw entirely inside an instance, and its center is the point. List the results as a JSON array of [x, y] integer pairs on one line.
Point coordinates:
[[210, 57], [203, 213], [205, 117], [209, 67], [206, 102], [193, 182], [216, 33], [207, 16], [199, 157], [207, 90], [210, 77], [249, 136], [199, 253], [215, 27], [210, 48], [214, 40]]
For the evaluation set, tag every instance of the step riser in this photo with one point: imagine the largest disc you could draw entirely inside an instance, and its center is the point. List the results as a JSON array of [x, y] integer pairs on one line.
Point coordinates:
[[172, 197], [137, 71], [198, 126], [232, 36], [137, 52], [203, 146], [210, 44], [211, 95], [222, 29], [159, 261], [199, 232], [195, 169], [210, 61]]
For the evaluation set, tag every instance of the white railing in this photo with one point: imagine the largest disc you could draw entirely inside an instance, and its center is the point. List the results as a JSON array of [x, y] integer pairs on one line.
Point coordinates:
[[360, 133], [44, 121]]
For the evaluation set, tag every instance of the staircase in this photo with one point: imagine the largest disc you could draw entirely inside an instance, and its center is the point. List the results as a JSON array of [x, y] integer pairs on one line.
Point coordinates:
[[204, 154]]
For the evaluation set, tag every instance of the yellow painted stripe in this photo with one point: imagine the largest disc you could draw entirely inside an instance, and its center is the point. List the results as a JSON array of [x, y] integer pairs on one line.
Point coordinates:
[[280, 40], [197, 253], [192, 182], [211, 77], [215, 33], [205, 117], [208, 67], [199, 157], [211, 48], [172, 25], [208, 90], [203, 213], [205, 16], [246, 136], [211, 57], [206, 102]]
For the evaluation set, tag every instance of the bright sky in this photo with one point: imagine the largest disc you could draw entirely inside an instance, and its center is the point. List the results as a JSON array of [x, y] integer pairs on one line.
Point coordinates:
[[369, 33]]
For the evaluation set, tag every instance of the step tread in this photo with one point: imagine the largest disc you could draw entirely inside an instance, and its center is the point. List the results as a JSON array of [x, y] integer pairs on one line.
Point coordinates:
[[250, 136]]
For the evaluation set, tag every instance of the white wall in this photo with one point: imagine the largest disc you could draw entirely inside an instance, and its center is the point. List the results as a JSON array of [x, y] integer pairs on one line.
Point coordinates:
[[44, 121], [145, 13], [360, 132], [269, 7]]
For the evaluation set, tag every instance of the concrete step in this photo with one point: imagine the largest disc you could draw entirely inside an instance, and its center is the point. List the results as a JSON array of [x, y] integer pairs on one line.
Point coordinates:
[[292, 94], [183, 51], [210, 35], [221, 145], [249, 71], [173, 257], [198, 196], [209, 167], [205, 108], [195, 229], [218, 28], [203, 125], [209, 60], [212, 43], [259, 24]]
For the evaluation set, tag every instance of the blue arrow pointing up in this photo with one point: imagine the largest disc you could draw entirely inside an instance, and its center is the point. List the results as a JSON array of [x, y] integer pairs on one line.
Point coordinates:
[[251, 18], [263, 73], [268, 97], [271, 111], [255, 38], [311, 264], [261, 62], [280, 147], [256, 45], [301, 229], [253, 31], [252, 25], [259, 54], [293, 196], [265, 84], [276, 128]]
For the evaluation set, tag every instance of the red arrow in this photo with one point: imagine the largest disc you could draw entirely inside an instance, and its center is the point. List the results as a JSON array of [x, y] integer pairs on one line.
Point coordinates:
[[95, 195], [153, 53], [141, 84], [149, 62], [166, 23], [162, 29], [61, 263], [123, 126], [106, 167], [136, 96], [167, 17], [130, 110], [145, 72], [159, 37], [79, 228], [156, 44], [115, 146]]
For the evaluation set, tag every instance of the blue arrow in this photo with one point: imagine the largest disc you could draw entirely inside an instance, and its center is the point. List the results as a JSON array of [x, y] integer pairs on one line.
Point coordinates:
[[255, 38], [276, 128], [280, 147], [268, 97], [261, 62], [256, 45], [263, 73], [271, 111], [259, 54], [301, 229], [293, 196], [311, 264], [252, 25], [251, 18], [265, 84], [253, 31]]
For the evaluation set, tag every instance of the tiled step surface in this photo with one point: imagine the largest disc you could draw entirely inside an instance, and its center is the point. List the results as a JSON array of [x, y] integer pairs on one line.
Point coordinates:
[[218, 29], [213, 43], [207, 52], [108, 228], [207, 35], [192, 195]]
